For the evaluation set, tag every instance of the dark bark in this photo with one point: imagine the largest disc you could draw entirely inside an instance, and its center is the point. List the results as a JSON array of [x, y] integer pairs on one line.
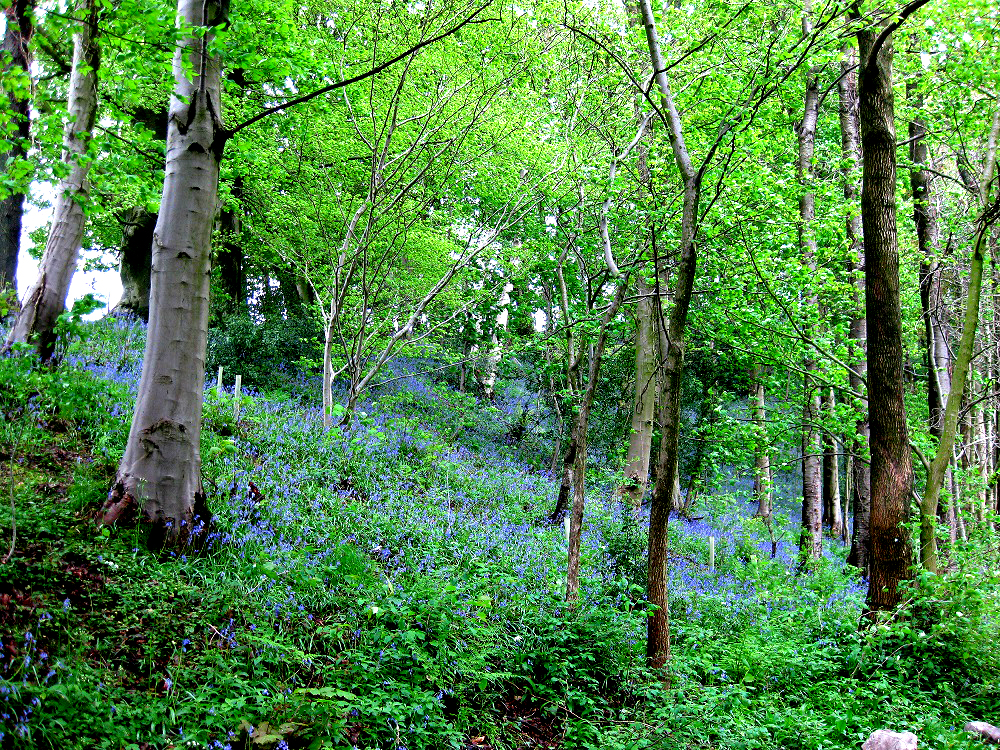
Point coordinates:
[[15, 52], [580, 445], [229, 260], [135, 266], [891, 470]]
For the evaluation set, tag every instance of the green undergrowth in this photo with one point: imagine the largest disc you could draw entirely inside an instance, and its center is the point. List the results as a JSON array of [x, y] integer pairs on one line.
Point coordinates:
[[395, 587]]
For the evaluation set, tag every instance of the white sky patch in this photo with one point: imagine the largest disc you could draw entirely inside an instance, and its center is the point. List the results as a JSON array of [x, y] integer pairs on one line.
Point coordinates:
[[105, 285]]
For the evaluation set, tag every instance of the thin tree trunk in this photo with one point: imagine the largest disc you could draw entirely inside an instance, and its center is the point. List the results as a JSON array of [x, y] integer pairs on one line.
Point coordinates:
[[935, 476], [580, 440], [161, 469], [46, 299], [230, 255], [891, 469], [15, 52], [762, 484], [831, 470], [811, 537], [847, 89], [925, 220]]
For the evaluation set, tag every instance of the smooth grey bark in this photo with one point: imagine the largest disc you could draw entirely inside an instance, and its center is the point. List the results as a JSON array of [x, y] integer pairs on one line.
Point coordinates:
[[46, 298], [135, 265], [811, 537], [160, 473], [762, 485], [640, 438], [850, 146], [15, 51]]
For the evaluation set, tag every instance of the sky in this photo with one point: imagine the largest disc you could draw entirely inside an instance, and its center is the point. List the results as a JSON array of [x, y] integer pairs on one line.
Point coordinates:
[[105, 285]]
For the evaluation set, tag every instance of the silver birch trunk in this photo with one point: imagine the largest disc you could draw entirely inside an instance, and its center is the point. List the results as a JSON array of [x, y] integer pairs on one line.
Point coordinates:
[[850, 145], [46, 299], [831, 471], [160, 473], [762, 456], [811, 538]]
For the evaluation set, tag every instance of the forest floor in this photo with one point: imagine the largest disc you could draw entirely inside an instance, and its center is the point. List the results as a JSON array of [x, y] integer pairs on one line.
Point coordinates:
[[396, 585]]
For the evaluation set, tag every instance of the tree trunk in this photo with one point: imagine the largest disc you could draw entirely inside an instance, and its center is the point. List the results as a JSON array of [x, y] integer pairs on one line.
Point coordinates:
[[230, 255], [847, 89], [15, 52], [963, 360], [811, 537], [136, 262], [831, 471], [579, 442], [935, 317], [46, 299], [672, 331], [891, 470], [762, 486], [644, 399], [161, 469]]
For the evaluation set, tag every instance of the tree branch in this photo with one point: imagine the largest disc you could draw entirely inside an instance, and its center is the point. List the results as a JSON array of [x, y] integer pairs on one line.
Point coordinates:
[[361, 76]]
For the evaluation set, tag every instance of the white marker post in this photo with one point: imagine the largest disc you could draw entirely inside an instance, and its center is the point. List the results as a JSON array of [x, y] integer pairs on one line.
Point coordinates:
[[711, 554], [236, 398], [218, 383]]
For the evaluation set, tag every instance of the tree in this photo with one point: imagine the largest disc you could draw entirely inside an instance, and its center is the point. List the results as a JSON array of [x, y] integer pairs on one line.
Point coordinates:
[[989, 214], [46, 298], [811, 535], [16, 80], [159, 477], [891, 470]]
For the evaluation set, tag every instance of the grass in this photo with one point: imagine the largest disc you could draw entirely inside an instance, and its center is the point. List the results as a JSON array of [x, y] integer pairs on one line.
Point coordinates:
[[396, 586]]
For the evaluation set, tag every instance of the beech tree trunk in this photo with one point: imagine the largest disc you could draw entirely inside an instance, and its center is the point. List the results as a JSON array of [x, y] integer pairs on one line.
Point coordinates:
[[135, 266], [46, 299], [15, 51], [891, 470], [644, 398], [850, 144], [160, 472]]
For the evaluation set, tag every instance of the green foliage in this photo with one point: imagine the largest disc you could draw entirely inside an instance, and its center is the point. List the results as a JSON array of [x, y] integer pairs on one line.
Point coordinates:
[[262, 352]]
